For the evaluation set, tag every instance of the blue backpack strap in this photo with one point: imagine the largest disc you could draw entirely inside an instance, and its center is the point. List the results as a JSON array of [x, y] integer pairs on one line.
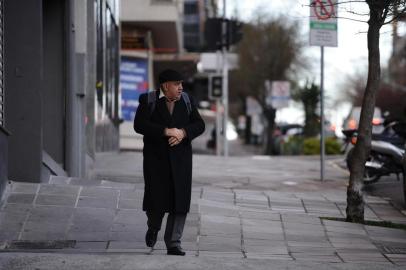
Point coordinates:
[[186, 99], [151, 101]]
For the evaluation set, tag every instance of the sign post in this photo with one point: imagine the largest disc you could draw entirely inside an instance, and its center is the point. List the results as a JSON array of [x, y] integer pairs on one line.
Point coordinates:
[[225, 81], [323, 32]]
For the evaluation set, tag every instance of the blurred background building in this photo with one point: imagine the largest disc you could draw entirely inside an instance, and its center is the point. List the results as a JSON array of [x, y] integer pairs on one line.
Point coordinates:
[[72, 71], [159, 34], [59, 99]]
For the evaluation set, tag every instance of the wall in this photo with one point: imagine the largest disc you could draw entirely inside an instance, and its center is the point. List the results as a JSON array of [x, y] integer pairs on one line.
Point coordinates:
[[3, 160], [23, 74]]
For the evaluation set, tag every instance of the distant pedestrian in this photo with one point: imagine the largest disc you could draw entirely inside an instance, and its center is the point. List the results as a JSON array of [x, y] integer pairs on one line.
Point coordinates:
[[169, 121]]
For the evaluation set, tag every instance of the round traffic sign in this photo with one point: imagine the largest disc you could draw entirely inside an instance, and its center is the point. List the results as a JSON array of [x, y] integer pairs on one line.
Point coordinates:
[[324, 9]]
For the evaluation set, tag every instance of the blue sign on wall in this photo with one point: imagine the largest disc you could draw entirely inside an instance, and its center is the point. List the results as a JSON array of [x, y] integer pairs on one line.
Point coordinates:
[[133, 82]]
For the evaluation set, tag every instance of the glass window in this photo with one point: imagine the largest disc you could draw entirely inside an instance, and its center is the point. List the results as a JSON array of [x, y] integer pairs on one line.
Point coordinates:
[[107, 59], [193, 28], [191, 8], [111, 75], [100, 53]]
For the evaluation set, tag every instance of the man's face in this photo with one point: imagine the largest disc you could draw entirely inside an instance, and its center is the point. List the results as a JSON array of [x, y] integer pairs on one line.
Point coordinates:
[[173, 90]]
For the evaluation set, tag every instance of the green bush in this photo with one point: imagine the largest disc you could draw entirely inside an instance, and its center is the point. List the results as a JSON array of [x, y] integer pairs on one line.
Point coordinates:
[[297, 145], [311, 146], [293, 146], [333, 146]]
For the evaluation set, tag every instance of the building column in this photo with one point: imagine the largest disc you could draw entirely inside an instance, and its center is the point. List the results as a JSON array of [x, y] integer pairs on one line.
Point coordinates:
[[76, 37]]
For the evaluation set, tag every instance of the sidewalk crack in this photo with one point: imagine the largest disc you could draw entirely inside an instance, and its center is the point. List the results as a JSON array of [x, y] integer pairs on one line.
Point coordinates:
[[243, 250], [285, 239], [304, 206], [328, 239], [268, 198], [199, 227]]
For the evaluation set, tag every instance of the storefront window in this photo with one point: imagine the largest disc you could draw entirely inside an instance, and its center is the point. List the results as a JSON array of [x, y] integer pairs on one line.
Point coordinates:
[[111, 64], [100, 54], [107, 59]]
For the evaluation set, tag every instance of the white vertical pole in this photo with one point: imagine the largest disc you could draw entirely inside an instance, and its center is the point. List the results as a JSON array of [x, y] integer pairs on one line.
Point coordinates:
[[218, 127], [225, 81], [322, 144], [218, 111]]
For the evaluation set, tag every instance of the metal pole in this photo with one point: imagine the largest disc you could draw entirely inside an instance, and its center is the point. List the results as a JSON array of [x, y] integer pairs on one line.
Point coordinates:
[[322, 144], [225, 81], [218, 112], [218, 127]]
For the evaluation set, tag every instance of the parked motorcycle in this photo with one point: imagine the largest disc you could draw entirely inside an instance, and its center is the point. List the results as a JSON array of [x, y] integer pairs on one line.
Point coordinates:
[[387, 155]]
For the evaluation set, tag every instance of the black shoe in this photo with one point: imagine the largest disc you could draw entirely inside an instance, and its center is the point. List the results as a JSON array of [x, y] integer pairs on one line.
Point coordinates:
[[176, 251], [150, 237]]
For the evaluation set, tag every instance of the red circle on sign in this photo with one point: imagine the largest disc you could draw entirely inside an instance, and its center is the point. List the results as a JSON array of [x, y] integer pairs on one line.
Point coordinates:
[[322, 10]]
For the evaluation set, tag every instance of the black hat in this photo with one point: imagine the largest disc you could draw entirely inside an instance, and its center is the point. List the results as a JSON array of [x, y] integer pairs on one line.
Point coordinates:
[[169, 75]]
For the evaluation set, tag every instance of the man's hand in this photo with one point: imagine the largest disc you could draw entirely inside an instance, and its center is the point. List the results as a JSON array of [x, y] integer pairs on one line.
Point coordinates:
[[173, 141], [175, 132], [175, 135]]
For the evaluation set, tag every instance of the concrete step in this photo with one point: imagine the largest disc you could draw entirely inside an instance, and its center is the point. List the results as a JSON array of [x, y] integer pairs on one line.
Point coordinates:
[[62, 180]]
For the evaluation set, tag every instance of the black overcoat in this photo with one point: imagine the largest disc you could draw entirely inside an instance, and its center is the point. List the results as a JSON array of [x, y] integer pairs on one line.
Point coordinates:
[[167, 169]]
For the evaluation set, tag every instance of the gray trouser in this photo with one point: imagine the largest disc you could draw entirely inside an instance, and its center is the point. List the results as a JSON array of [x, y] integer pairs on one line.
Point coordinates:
[[174, 227]]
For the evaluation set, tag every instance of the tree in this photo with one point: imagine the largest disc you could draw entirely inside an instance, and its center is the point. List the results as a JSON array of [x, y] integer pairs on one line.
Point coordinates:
[[309, 95], [268, 51], [380, 12]]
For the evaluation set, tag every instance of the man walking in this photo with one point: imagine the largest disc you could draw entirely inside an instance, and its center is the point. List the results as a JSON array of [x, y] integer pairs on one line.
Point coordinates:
[[169, 121]]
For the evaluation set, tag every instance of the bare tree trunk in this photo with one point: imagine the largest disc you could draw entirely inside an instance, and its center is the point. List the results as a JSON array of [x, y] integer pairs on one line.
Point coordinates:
[[270, 115], [355, 199]]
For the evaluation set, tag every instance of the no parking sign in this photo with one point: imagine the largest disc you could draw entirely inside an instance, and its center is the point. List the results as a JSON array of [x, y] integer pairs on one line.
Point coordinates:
[[323, 23]]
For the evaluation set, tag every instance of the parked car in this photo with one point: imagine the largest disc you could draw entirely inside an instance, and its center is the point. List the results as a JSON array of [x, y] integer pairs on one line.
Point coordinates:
[[351, 121]]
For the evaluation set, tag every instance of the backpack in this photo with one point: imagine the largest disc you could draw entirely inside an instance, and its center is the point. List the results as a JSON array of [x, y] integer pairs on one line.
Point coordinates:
[[152, 101]]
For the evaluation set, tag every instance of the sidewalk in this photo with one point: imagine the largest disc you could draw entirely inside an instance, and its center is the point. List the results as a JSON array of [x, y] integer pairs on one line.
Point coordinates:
[[246, 213]]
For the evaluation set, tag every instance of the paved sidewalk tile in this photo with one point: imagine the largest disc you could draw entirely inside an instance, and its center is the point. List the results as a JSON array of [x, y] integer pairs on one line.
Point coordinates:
[[263, 256], [17, 187], [398, 259], [21, 198], [234, 215], [221, 254]]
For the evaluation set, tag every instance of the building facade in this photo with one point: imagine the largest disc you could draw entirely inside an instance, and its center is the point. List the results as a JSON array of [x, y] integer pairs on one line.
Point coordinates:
[[3, 132], [194, 17], [59, 100]]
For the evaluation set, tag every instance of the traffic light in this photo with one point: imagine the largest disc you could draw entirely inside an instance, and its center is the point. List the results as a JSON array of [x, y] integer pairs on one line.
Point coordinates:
[[212, 33], [234, 31], [216, 87]]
